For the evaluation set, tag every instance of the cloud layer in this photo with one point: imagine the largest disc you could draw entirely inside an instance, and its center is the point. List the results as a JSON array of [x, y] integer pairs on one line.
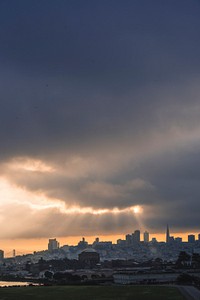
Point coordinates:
[[99, 112]]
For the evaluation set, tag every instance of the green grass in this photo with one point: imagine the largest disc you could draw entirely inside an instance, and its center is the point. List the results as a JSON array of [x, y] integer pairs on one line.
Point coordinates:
[[91, 293]]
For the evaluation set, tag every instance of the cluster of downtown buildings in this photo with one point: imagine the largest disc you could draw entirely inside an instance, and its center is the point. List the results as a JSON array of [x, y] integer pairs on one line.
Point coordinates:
[[131, 240], [132, 247], [121, 261]]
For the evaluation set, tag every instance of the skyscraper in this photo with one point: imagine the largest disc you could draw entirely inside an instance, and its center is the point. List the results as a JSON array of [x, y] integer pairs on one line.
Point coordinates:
[[191, 238], [136, 236], [53, 245], [167, 234], [146, 237], [128, 239]]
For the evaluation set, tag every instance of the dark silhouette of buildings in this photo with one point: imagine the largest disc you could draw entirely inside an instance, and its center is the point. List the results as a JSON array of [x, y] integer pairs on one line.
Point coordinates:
[[83, 244], [89, 258]]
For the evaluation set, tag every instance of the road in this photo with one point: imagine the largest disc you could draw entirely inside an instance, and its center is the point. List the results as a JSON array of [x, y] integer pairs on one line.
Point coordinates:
[[190, 292]]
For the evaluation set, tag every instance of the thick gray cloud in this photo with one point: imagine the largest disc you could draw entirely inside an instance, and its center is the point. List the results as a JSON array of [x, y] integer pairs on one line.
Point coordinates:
[[107, 95]]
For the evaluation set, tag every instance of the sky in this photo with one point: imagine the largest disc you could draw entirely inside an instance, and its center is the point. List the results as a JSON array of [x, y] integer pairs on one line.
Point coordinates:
[[99, 117]]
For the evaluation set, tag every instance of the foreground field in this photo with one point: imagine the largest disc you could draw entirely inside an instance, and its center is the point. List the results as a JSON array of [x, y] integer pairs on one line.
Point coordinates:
[[91, 293]]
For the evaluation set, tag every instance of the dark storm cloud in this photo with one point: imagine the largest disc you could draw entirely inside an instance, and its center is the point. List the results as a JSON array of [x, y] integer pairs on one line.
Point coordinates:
[[76, 70], [90, 39], [107, 94]]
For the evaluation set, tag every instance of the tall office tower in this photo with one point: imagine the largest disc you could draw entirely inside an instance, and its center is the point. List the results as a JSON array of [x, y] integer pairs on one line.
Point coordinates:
[[1, 255], [199, 237], [146, 237], [136, 236], [53, 245], [167, 234], [128, 239], [191, 238]]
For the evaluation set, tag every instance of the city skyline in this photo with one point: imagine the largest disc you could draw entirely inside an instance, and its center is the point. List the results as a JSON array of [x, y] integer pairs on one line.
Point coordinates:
[[100, 118], [20, 247]]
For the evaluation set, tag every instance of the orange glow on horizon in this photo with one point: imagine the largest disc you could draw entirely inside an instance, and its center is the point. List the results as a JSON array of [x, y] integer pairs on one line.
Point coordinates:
[[27, 246]]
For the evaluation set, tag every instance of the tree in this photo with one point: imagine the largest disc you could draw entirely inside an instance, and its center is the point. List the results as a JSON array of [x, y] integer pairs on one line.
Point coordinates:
[[48, 274], [183, 259], [185, 279]]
